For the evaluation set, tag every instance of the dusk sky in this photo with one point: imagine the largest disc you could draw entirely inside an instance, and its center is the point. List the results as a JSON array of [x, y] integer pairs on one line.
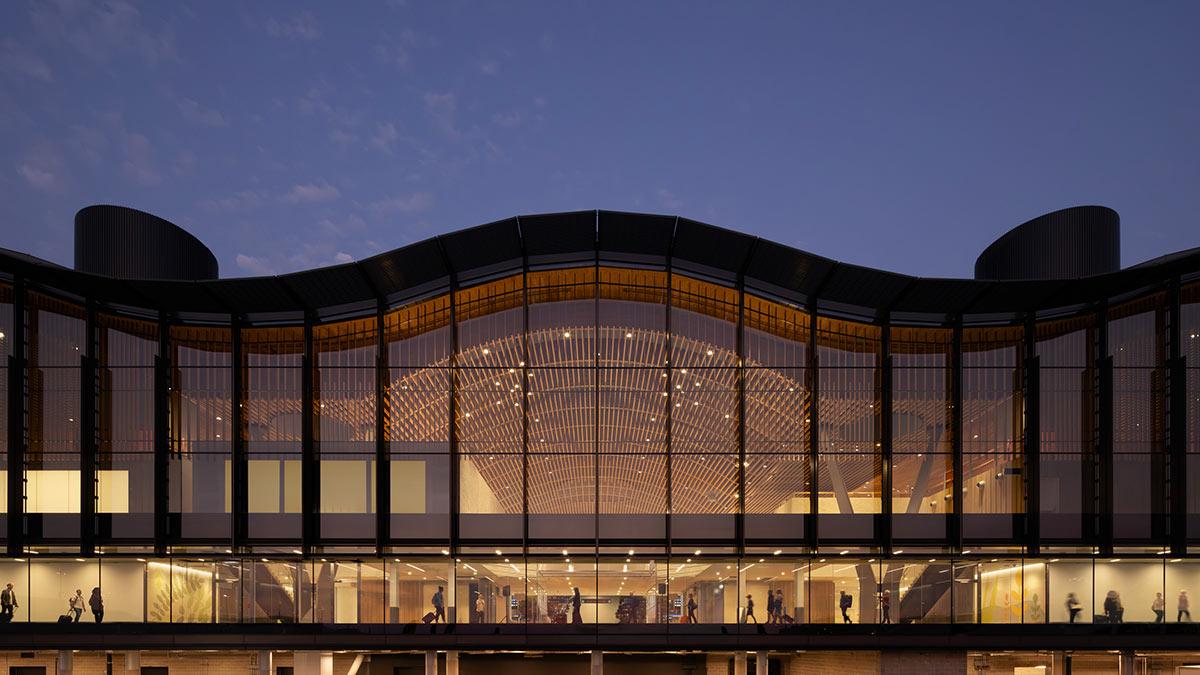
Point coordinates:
[[899, 135]]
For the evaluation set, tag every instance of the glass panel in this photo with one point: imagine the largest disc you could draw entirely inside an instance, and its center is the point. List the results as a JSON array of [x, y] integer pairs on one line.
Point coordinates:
[[273, 414], [344, 426], [56, 342], [632, 318], [272, 593], [915, 591], [1071, 583], [988, 592], [200, 480], [704, 591], [6, 340], [1182, 580], [125, 462], [1125, 591], [563, 591], [492, 591], [1064, 350], [1137, 348], [922, 469], [14, 575], [121, 593], [992, 419], [62, 588], [848, 479], [777, 588], [632, 591], [1189, 334], [844, 590], [703, 323]]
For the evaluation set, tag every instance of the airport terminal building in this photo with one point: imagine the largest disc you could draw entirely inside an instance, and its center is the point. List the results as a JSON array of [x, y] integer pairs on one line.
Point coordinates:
[[599, 442]]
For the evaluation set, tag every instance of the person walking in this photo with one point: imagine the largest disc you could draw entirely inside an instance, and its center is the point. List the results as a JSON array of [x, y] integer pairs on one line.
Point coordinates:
[[770, 607], [691, 609], [75, 605], [480, 607], [885, 604], [1073, 607], [844, 603], [439, 605], [779, 606], [96, 604], [1159, 607], [1184, 608], [8, 604], [749, 610], [576, 604]]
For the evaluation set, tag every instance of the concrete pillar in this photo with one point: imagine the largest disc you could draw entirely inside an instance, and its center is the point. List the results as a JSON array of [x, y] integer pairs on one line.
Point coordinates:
[[597, 662], [133, 663], [1126, 665], [430, 663], [1061, 663], [739, 663], [451, 663], [761, 665], [64, 662], [266, 662]]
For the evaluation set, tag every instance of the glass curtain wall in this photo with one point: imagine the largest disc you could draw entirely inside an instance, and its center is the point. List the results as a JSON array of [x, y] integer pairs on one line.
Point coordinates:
[[1137, 348], [632, 382], [849, 463], [1189, 336], [777, 410], [6, 340], [1067, 397], [561, 399], [993, 412], [200, 461], [344, 426], [273, 360], [57, 343], [127, 351], [704, 410], [490, 384], [417, 419], [922, 434]]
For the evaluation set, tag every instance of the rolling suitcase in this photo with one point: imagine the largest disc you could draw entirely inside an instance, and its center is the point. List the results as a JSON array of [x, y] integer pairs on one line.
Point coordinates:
[[428, 618]]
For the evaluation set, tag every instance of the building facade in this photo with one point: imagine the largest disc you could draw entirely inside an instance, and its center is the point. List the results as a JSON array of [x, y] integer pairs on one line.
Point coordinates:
[[608, 433]]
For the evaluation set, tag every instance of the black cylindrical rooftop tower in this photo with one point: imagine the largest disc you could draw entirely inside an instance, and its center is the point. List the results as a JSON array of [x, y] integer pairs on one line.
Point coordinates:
[[1076, 242], [121, 242]]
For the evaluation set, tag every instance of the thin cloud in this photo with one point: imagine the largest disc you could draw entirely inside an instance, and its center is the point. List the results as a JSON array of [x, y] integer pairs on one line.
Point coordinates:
[[23, 65], [254, 265], [311, 193], [243, 200], [302, 26], [99, 31], [489, 67], [410, 203], [197, 114], [668, 200], [139, 165], [385, 137], [442, 108]]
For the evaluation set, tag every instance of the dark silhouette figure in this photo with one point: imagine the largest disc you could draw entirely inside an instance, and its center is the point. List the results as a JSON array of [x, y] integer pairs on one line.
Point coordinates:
[[844, 603], [691, 609], [749, 610], [1184, 608], [885, 604], [576, 603], [96, 603], [75, 605], [8, 603], [1073, 606], [770, 607], [439, 606]]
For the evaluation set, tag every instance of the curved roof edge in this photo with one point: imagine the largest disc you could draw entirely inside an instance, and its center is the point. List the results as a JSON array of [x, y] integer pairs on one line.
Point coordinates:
[[612, 237]]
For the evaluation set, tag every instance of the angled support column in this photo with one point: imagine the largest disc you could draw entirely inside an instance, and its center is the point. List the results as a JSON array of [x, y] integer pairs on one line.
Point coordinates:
[[597, 665]]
